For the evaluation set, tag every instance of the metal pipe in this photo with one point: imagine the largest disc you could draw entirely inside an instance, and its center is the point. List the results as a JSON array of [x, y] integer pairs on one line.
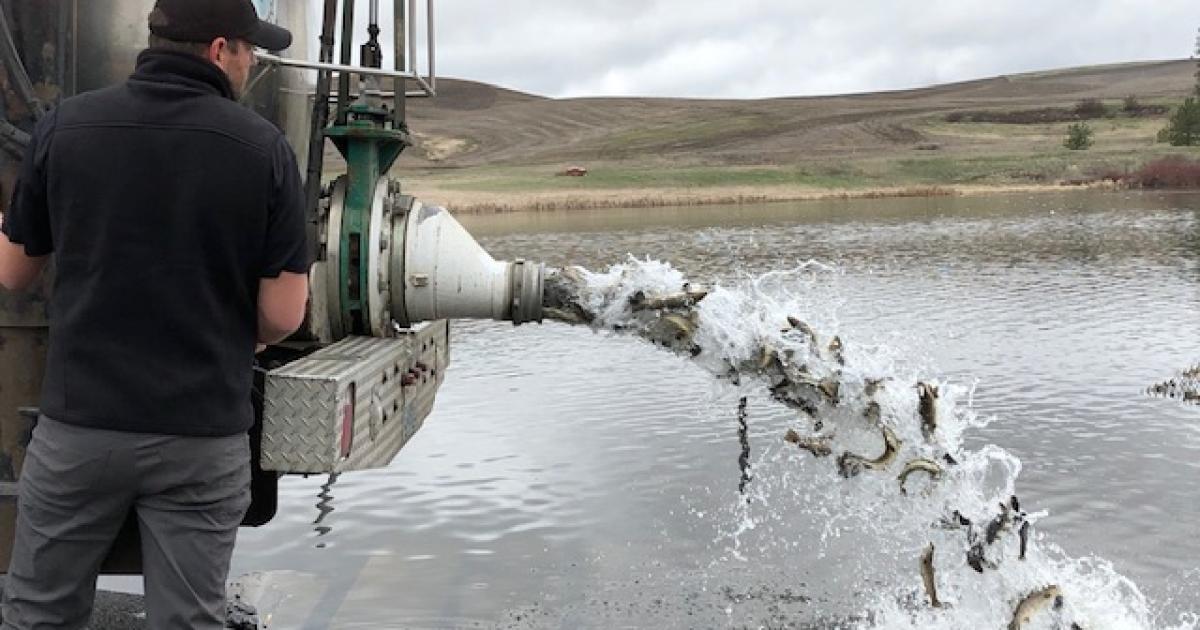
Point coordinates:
[[386, 94], [345, 71], [74, 49], [320, 118], [17, 74], [60, 47], [347, 52], [371, 54], [412, 36], [400, 111], [429, 43]]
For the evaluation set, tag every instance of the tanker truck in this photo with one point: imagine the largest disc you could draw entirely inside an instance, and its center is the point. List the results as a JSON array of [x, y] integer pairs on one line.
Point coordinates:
[[353, 385]]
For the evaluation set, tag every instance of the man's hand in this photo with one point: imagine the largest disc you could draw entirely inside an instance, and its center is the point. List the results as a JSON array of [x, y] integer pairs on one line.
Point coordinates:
[[18, 270]]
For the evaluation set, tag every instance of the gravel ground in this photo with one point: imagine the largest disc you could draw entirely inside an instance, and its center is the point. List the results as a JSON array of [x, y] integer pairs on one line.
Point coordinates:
[[114, 611]]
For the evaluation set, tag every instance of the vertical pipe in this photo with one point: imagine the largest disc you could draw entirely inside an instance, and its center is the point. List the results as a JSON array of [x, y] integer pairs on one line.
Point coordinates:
[[429, 43], [412, 35], [347, 59], [399, 114], [320, 118], [60, 48]]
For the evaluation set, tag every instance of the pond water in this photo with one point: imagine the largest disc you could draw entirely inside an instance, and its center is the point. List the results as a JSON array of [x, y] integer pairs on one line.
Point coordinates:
[[571, 479]]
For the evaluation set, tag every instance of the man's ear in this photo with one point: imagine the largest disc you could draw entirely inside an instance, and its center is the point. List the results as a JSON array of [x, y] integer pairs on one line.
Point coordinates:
[[217, 48]]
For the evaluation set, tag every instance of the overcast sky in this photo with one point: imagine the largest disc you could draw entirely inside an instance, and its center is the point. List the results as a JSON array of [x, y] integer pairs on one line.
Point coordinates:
[[759, 48]]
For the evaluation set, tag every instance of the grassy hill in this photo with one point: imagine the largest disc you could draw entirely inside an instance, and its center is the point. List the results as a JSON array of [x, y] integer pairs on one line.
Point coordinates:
[[484, 147]]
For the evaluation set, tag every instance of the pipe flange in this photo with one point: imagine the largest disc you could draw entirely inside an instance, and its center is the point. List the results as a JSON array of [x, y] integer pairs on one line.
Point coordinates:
[[527, 287]]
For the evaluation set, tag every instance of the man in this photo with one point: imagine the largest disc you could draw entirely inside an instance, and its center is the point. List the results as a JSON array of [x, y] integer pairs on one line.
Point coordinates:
[[176, 222]]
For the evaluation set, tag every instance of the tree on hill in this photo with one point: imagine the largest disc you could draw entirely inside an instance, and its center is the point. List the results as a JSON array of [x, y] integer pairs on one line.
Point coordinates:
[[1183, 129], [1079, 137]]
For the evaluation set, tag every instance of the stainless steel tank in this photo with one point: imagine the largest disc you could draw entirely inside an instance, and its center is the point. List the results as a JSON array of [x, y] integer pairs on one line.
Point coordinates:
[[108, 35]]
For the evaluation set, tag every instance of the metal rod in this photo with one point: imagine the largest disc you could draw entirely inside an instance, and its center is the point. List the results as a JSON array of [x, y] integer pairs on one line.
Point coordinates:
[[347, 52], [60, 48], [345, 71], [412, 36], [74, 48], [429, 43], [372, 55], [320, 118], [400, 112], [425, 87], [386, 94]]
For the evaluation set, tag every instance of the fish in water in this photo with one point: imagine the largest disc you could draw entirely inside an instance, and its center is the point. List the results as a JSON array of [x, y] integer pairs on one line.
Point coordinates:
[[684, 326], [796, 324], [818, 446], [919, 465], [767, 357], [689, 297], [563, 315], [1034, 603], [927, 577], [927, 408], [1008, 513], [873, 413], [836, 349], [831, 388], [850, 464]]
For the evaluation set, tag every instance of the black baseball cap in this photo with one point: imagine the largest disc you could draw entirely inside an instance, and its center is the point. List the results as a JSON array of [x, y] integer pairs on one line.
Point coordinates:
[[206, 20]]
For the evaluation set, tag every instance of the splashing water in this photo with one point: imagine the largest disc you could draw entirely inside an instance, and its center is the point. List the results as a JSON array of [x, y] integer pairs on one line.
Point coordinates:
[[877, 449], [1184, 386]]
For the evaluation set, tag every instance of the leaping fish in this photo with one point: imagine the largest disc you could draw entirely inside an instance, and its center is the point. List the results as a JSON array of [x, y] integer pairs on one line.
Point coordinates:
[[1034, 603], [927, 408], [919, 465], [850, 464], [689, 297], [818, 446], [927, 577]]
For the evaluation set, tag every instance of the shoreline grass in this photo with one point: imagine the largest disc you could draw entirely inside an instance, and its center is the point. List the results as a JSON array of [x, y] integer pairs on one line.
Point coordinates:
[[483, 190]]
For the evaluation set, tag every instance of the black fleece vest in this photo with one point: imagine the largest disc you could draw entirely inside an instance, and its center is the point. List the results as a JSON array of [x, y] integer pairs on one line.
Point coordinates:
[[166, 203]]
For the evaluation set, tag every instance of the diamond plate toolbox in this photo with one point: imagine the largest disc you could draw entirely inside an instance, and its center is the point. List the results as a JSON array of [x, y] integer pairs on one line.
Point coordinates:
[[352, 405]]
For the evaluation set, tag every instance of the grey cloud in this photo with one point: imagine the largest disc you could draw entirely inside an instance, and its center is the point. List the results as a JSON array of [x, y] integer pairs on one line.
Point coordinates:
[[758, 48]]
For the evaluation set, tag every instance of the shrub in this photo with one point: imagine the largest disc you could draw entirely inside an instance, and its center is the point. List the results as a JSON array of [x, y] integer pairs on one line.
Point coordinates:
[[1079, 137], [1090, 108], [1183, 129], [1168, 172], [1131, 105]]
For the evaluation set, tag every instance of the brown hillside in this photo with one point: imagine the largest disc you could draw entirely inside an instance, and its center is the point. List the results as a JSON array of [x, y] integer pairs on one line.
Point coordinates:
[[473, 124]]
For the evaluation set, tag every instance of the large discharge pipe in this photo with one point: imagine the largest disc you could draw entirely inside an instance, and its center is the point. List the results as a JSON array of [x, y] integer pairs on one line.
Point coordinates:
[[422, 265], [447, 275]]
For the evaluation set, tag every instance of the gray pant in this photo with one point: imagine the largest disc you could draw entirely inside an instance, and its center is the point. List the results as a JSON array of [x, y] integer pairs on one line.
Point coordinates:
[[76, 488]]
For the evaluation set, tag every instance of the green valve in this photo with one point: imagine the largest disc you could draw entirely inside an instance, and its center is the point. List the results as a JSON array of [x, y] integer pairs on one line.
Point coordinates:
[[370, 146]]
